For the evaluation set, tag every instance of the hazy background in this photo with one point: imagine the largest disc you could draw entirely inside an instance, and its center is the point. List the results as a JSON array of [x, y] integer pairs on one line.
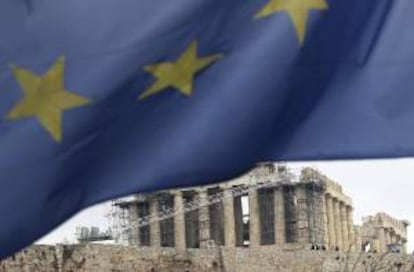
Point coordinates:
[[373, 185]]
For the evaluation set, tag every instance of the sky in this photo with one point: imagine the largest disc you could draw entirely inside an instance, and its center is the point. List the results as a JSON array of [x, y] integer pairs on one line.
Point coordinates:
[[374, 186]]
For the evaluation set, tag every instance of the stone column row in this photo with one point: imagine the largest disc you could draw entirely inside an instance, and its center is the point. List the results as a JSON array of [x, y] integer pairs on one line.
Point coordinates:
[[337, 221], [204, 219], [254, 218], [386, 237], [179, 222], [339, 224], [254, 222]]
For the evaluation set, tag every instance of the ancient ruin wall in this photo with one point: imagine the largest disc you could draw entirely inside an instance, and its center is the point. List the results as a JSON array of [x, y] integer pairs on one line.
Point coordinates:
[[105, 258]]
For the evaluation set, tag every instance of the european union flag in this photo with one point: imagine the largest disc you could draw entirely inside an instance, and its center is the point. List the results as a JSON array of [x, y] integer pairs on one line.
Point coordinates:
[[102, 98]]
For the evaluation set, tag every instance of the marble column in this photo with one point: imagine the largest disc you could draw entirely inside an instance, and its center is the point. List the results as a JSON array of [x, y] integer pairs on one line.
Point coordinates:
[[375, 245], [238, 217], [381, 238], [387, 237], [204, 218], [133, 218], [254, 219], [279, 216], [325, 238], [403, 243], [229, 220], [350, 227], [331, 221], [179, 221], [303, 230], [344, 227], [155, 239], [338, 225]]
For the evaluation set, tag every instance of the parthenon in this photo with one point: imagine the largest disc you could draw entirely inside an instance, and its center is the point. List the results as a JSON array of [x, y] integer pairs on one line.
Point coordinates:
[[268, 206]]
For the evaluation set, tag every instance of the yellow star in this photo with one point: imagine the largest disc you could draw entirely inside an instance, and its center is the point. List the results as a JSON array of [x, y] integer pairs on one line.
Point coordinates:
[[179, 74], [298, 11], [45, 97]]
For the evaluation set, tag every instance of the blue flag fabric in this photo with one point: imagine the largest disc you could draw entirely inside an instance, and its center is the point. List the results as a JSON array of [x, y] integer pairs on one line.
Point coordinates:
[[102, 98]]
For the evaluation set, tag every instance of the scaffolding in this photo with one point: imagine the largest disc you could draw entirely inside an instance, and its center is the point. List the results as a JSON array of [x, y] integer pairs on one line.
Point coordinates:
[[119, 218]]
